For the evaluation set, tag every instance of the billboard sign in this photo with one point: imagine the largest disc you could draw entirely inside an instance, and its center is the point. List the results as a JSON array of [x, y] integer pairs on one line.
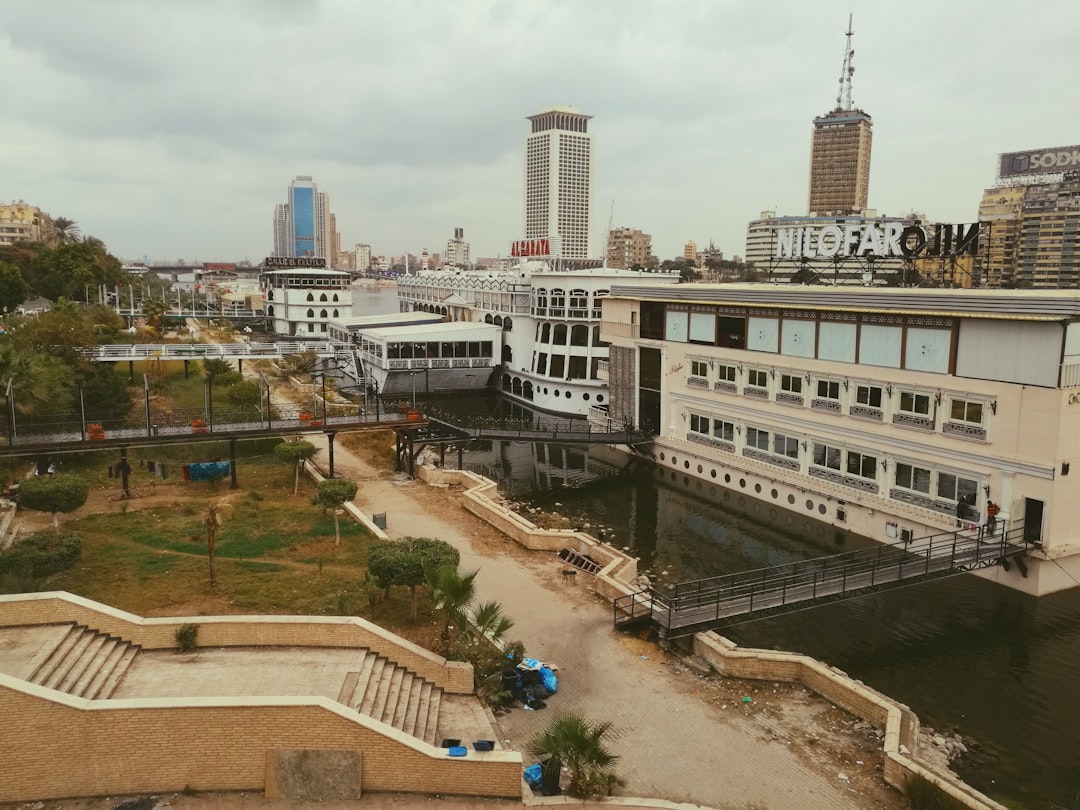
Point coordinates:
[[545, 247], [877, 239], [1040, 161], [290, 262]]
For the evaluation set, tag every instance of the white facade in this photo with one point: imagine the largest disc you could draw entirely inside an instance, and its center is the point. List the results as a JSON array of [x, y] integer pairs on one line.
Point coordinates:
[[302, 302], [559, 179], [890, 413], [457, 250], [363, 257]]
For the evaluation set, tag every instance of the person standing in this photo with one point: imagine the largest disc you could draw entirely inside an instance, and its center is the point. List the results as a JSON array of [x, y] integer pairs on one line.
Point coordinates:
[[992, 510]]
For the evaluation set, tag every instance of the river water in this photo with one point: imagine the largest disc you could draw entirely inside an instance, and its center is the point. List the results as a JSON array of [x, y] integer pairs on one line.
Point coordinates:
[[996, 666]]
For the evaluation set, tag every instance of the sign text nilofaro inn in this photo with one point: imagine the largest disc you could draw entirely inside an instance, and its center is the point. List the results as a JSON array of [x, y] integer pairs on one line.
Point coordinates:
[[877, 239]]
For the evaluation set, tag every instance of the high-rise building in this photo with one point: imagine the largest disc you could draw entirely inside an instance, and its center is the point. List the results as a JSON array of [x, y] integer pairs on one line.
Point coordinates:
[[1033, 218], [627, 248], [689, 251], [302, 226], [840, 152], [457, 250], [363, 257], [559, 179]]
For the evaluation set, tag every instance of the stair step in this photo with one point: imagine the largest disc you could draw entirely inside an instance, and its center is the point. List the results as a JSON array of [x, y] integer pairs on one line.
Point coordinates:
[[420, 711], [118, 672], [71, 657], [46, 668], [396, 718], [85, 666], [386, 686], [114, 651], [371, 688], [364, 669], [397, 683], [348, 687], [431, 724], [406, 721]]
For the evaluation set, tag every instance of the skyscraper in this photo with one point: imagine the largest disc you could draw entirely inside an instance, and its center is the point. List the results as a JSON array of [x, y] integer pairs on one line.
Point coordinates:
[[558, 179], [302, 225], [840, 151]]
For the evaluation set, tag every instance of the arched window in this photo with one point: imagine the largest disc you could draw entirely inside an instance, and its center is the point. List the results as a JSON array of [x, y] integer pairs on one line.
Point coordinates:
[[498, 320], [579, 304], [335, 299], [322, 313], [506, 382], [560, 334], [322, 297], [545, 333], [270, 311], [508, 325], [335, 313], [487, 318], [579, 335], [558, 303], [527, 390], [541, 301], [507, 354], [310, 297], [311, 313]]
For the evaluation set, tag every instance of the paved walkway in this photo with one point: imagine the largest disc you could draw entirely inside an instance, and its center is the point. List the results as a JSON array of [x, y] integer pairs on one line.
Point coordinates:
[[672, 744]]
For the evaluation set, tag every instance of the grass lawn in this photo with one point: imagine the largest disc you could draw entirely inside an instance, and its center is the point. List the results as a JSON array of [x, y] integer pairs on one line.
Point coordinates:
[[275, 553]]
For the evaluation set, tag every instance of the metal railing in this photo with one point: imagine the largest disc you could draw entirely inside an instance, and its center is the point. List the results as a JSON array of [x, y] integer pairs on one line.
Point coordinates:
[[691, 606]]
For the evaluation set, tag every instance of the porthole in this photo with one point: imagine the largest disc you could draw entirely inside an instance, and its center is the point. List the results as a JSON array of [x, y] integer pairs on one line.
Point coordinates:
[[821, 508], [727, 495], [757, 488], [686, 465], [568, 395], [585, 397], [662, 458], [674, 460], [775, 494], [713, 473], [772, 513], [742, 483], [685, 481], [700, 469], [791, 499], [809, 504], [674, 477], [599, 397], [727, 478], [557, 394]]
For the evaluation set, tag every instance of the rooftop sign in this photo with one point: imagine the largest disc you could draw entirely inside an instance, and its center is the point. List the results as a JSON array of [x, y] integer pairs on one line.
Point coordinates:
[[546, 247], [290, 262], [1040, 161], [877, 239]]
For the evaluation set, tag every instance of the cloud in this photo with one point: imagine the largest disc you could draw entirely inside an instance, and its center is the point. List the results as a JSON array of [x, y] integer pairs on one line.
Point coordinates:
[[173, 129]]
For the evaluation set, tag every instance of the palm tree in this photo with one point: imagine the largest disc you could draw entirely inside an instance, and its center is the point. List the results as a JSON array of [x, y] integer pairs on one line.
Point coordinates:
[[452, 592], [488, 622], [155, 310], [571, 740], [66, 229]]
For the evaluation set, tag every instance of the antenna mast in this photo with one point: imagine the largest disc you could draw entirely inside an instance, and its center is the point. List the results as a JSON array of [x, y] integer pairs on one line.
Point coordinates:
[[843, 93]]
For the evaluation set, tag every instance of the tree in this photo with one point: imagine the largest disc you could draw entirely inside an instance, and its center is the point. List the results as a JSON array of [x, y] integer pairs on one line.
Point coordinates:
[[573, 741], [244, 394], [295, 453], [66, 229], [40, 382], [331, 494], [105, 395], [453, 593], [401, 562], [54, 493], [489, 622], [13, 287], [68, 269], [155, 310]]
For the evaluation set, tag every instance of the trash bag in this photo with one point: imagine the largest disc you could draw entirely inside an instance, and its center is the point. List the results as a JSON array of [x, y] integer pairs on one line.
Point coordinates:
[[549, 679], [533, 775]]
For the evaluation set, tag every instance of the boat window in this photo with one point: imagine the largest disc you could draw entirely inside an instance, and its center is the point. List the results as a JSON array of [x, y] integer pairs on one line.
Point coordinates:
[[558, 366], [508, 325], [560, 334], [545, 333], [310, 297], [433, 349], [322, 297], [322, 313], [541, 363], [578, 368], [579, 335], [311, 313]]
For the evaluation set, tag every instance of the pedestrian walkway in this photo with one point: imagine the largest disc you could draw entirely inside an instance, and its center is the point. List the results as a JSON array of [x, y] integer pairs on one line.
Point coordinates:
[[672, 745]]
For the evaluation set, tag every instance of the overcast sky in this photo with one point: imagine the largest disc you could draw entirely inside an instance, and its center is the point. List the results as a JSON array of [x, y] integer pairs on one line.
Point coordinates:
[[171, 130]]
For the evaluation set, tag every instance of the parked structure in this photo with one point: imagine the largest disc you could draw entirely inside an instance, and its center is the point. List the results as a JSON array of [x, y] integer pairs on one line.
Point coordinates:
[[893, 414]]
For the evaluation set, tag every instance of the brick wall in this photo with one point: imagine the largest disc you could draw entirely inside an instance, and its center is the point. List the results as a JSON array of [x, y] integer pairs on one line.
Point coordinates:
[[63, 746], [455, 677]]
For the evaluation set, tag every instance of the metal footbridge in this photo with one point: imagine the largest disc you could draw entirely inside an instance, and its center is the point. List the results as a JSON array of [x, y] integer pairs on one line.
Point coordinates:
[[204, 351], [709, 604], [444, 427]]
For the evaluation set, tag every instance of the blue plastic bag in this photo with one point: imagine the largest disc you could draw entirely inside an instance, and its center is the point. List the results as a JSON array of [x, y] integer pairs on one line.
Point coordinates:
[[550, 680], [533, 775]]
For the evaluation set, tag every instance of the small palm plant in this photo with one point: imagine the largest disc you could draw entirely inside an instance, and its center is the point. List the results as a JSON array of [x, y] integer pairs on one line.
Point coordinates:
[[571, 740]]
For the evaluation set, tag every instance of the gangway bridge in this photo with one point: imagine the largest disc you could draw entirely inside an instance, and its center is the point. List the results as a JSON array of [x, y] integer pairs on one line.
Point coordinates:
[[204, 351], [713, 603]]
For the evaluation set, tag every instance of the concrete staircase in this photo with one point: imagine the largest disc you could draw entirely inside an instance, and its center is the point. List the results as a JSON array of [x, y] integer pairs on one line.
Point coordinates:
[[85, 663], [393, 695]]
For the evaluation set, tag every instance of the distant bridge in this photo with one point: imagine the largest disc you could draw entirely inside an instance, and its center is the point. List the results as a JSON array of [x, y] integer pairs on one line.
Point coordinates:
[[708, 604]]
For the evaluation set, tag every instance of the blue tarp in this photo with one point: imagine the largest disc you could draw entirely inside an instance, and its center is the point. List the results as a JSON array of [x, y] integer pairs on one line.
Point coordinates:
[[551, 683], [533, 775]]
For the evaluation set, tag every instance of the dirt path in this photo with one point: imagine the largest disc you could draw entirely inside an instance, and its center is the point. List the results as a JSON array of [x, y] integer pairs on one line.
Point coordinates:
[[680, 736]]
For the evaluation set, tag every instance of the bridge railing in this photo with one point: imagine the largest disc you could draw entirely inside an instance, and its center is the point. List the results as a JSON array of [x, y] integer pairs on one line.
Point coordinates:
[[550, 427]]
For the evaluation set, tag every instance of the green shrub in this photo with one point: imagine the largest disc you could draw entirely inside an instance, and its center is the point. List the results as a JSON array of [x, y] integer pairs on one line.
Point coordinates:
[[41, 555], [187, 637]]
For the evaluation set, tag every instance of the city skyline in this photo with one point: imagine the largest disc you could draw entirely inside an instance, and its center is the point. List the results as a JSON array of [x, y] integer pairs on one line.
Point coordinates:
[[170, 133]]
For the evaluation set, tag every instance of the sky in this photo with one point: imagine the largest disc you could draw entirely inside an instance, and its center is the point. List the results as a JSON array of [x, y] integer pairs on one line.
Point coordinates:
[[171, 130]]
